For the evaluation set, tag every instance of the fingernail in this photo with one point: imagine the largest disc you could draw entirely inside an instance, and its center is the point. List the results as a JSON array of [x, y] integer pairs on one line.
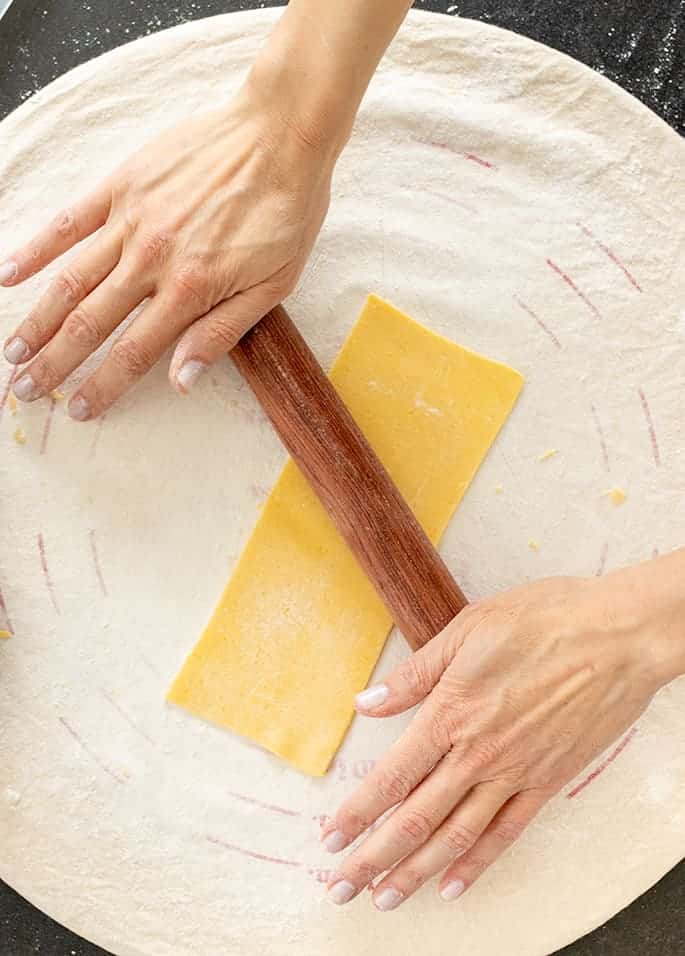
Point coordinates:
[[388, 899], [341, 892], [79, 409], [335, 841], [188, 374], [8, 271], [17, 351], [24, 388], [453, 890], [372, 697]]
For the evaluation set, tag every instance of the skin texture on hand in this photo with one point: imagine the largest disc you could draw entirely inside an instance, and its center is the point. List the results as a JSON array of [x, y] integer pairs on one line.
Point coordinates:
[[209, 226], [519, 694]]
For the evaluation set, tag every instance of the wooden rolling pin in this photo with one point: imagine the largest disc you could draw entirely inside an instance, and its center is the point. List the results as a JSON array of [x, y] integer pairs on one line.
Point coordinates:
[[355, 489]]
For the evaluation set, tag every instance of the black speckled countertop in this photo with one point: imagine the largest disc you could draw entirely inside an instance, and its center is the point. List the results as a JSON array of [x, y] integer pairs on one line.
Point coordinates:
[[639, 44]]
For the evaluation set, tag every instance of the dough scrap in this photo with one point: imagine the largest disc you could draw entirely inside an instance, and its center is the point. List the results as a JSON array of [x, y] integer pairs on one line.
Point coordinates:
[[299, 628]]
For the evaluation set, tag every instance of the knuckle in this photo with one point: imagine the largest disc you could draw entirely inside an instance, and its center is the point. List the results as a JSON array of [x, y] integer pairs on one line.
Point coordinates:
[[393, 785], [487, 751], [365, 872], [413, 673], [224, 334], [412, 880], [82, 328], [152, 247], [508, 831], [33, 330], [415, 825], [457, 837], [351, 823], [444, 727], [189, 286], [65, 223], [477, 865], [131, 357], [43, 374], [70, 286]]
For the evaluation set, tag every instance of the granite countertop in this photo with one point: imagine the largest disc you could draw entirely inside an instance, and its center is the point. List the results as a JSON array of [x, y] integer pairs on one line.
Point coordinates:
[[637, 44]]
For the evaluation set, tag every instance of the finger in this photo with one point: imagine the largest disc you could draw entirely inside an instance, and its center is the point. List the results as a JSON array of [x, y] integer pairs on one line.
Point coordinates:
[[69, 227], [412, 824], [65, 292], [406, 764], [505, 830], [131, 357], [83, 331], [216, 333], [415, 677], [457, 834]]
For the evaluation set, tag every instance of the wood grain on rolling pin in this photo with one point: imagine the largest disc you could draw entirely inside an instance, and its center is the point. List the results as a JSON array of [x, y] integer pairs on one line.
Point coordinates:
[[349, 479]]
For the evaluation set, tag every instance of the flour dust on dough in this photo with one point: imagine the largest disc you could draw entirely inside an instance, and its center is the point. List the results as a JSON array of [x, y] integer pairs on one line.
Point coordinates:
[[503, 196]]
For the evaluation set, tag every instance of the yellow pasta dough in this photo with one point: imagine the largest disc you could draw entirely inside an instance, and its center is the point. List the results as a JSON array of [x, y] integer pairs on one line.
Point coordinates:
[[299, 627]]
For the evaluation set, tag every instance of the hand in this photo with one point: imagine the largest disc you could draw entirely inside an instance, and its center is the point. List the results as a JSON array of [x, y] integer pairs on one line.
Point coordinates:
[[521, 693], [210, 225]]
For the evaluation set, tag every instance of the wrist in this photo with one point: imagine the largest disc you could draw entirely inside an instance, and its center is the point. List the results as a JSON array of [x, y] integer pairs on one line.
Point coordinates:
[[300, 77], [649, 599]]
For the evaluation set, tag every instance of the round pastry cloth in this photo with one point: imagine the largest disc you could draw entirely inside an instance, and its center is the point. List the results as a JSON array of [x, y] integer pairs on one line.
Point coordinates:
[[502, 195]]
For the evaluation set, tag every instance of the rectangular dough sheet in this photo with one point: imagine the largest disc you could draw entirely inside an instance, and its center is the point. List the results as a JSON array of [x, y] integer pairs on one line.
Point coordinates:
[[299, 627]]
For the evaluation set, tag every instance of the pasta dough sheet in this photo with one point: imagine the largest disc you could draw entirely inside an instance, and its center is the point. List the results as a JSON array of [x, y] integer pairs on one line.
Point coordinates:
[[299, 627]]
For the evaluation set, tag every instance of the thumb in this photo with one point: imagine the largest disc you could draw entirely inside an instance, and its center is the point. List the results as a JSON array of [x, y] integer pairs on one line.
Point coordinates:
[[210, 337], [413, 679]]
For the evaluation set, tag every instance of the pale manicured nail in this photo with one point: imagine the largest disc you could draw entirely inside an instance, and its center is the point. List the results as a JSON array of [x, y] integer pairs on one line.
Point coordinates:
[[79, 409], [24, 388], [8, 271], [388, 899], [453, 890], [335, 841], [341, 892], [17, 351], [372, 697], [188, 374]]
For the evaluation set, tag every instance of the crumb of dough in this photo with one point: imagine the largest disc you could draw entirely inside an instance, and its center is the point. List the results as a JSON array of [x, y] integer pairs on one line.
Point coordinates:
[[550, 453], [12, 403], [534, 545], [20, 436], [616, 495], [499, 489], [5, 635], [58, 396]]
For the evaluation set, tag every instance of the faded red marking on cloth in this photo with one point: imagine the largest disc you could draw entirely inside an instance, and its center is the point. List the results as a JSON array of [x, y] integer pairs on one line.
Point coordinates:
[[46, 573], [96, 437], [603, 559], [650, 427], [471, 157], [602, 440], [96, 563], [7, 389], [467, 207], [536, 318], [5, 623], [264, 806], [93, 756], [48, 425], [477, 159], [603, 765], [251, 853], [132, 724], [572, 285], [611, 255]]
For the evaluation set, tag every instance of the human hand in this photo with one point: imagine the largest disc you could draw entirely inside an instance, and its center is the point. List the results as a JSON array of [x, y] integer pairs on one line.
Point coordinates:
[[210, 225], [521, 693]]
